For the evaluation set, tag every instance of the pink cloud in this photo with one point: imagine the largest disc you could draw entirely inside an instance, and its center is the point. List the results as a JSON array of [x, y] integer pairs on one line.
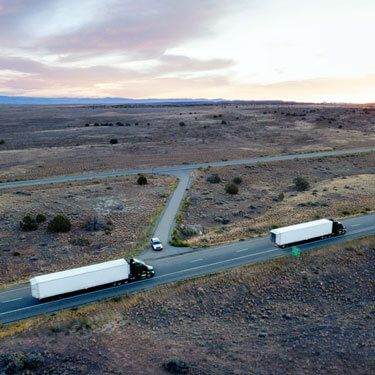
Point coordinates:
[[144, 28]]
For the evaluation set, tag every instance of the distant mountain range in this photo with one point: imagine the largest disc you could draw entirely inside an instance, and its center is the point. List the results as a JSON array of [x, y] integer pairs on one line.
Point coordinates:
[[28, 100]]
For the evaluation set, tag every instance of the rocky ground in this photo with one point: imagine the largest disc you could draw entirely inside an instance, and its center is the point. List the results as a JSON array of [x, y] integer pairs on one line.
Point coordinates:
[[71, 139], [121, 209], [267, 197], [313, 314]]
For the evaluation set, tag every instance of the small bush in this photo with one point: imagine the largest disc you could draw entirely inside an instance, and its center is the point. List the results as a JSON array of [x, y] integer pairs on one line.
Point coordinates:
[[231, 189], [79, 242], [28, 224], [59, 224], [93, 224], [176, 366], [237, 180], [142, 180], [182, 123], [301, 183], [223, 122], [87, 125], [214, 179], [113, 141], [281, 197], [21, 362], [118, 123], [2, 141], [40, 218]]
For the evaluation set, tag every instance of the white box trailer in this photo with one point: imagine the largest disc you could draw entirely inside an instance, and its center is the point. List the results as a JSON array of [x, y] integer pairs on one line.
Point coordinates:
[[306, 231], [82, 278]]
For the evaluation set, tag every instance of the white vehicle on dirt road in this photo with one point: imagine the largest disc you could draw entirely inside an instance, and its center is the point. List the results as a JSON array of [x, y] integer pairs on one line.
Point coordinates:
[[156, 244]]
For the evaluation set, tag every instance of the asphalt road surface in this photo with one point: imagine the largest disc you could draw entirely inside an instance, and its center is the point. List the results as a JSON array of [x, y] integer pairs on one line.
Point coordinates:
[[16, 303], [176, 169]]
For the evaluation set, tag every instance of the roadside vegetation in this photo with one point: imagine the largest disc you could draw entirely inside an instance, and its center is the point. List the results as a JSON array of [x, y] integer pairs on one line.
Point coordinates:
[[238, 202], [52, 228]]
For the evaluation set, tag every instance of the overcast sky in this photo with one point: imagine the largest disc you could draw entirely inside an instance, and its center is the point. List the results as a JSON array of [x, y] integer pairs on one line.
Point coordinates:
[[321, 50]]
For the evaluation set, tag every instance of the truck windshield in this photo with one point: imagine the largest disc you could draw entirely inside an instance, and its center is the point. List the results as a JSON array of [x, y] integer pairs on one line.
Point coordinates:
[[138, 262]]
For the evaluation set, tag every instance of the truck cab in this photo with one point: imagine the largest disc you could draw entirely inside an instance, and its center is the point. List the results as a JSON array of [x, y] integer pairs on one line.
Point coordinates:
[[337, 228], [140, 270]]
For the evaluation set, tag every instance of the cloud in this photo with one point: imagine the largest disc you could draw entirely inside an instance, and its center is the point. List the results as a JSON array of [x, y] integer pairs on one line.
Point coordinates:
[[144, 28], [29, 77], [177, 63]]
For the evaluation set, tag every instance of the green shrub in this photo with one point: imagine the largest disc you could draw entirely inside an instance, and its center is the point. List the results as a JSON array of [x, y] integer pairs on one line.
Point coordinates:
[[2, 141], [281, 197], [59, 224], [142, 180], [79, 242], [113, 141], [182, 123], [231, 189], [237, 180], [301, 183], [28, 224], [214, 179], [40, 218]]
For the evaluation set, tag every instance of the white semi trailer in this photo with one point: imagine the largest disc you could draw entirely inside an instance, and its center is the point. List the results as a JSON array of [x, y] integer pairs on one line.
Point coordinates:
[[113, 272], [311, 230]]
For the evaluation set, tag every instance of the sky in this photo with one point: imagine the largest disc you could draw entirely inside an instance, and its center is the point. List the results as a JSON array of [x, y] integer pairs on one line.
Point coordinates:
[[303, 50]]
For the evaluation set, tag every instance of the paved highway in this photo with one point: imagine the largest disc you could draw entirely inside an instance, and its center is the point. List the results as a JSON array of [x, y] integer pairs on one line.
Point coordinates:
[[175, 169], [16, 303]]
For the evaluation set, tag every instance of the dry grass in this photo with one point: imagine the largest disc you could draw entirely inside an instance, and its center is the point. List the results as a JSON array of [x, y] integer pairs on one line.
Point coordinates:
[[339, 187], [56, 141], [127, 210]]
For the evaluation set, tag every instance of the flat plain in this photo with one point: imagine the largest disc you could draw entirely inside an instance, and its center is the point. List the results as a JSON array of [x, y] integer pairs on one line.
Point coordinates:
[[44, 141], [309, 314]]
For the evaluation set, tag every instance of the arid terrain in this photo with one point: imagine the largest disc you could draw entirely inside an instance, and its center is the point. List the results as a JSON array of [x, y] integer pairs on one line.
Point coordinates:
[[123, 210], [54, 140], [313, 314], [267, 198]]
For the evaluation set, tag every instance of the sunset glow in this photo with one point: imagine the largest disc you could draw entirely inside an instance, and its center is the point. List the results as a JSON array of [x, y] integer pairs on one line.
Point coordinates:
[[246, 49]]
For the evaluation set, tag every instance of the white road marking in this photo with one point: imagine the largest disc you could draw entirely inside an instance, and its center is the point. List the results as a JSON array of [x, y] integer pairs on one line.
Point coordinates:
[[241, 250], [14, 290], [172, 273], [157, 277], [215, 263], [195, 260], [11, 300]]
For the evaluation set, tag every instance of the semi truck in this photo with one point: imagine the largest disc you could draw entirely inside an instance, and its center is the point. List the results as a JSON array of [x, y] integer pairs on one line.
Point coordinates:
[[114, 272], [312, 230]]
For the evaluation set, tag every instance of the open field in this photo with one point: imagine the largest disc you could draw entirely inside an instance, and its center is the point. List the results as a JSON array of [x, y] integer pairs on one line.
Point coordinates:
[[123, 211], [267, 198], [53, 140], [312, 314]]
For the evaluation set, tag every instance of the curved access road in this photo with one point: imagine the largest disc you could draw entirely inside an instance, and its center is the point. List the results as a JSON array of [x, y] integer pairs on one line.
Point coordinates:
[[16, 303]]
